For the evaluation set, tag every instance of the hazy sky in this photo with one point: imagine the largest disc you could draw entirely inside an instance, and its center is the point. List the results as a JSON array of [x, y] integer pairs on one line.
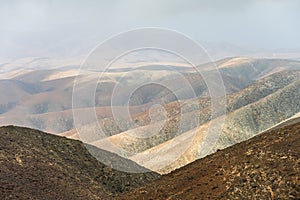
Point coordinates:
[[70, 27]]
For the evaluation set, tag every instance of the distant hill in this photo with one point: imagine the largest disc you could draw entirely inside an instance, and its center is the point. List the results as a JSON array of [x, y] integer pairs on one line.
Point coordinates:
[[260, 94], [250, 111], [264, 167], [37, 165]]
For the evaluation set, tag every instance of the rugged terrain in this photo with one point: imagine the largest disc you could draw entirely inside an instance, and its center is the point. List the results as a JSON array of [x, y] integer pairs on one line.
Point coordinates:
[[37, 165], [250, 111], [260, 94], [42, 98], [264, 167]]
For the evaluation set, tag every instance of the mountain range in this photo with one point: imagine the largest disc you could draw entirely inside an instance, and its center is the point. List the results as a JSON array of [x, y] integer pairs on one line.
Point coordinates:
[[38, 165], [260, 93]]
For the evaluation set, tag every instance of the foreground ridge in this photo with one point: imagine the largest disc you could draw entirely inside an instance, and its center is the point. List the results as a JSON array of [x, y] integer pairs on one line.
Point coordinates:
[[264, 167], [37, 165]]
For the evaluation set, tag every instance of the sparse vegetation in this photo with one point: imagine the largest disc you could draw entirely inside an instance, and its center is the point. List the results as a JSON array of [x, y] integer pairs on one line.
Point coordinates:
[[264, 167], [38, 165]]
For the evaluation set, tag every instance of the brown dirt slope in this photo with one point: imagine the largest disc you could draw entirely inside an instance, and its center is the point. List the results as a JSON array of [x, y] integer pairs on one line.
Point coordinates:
[[264, 167], [37, 165]]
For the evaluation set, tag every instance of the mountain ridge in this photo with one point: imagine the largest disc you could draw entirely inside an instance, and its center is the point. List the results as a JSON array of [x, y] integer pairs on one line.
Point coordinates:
[[265, 166], [44, 166]]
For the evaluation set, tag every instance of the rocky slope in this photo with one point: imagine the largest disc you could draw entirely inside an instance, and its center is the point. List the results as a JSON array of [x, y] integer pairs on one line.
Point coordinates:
[[37, 165], [264, 167], [250, 111], [260, 94]]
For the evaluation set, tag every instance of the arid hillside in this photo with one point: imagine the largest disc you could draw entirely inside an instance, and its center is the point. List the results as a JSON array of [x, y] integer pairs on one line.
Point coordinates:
[[42, 99], [264, 167], [260, 93], [37, 165]]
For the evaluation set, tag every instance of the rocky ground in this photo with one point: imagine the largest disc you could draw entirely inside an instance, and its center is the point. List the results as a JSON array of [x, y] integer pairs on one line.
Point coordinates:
[[264, 167], [37, 165]]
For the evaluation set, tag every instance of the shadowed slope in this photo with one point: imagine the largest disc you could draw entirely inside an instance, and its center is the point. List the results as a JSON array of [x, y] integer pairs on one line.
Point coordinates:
[[37, 165]]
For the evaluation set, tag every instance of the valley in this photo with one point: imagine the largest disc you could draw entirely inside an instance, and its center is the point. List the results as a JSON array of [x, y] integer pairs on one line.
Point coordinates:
[[260, 93]]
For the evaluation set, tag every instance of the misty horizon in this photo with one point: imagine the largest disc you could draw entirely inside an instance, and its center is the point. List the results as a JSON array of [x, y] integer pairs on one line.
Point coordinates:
[[72, 28]]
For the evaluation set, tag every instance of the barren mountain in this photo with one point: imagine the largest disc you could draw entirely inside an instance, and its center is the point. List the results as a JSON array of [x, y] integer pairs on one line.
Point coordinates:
[[252, 110], [37, 165], [30, 93], [264, 167], [260, 94]]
